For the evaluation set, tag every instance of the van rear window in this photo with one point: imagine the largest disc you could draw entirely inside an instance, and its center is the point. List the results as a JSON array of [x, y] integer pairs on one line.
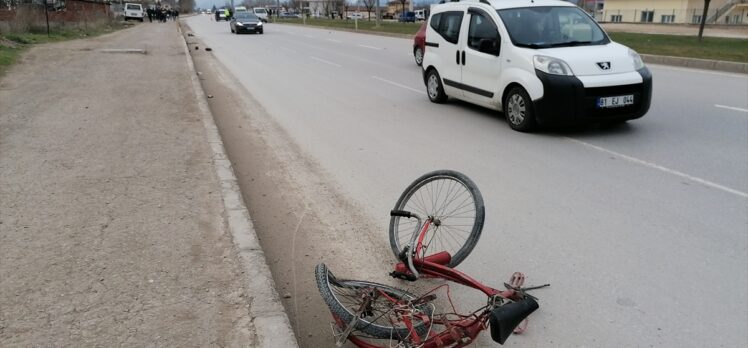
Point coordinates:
[[133, 7]]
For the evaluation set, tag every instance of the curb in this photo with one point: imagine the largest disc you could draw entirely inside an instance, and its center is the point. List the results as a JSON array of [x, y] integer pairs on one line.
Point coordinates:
[[706, 64], [271, 323]]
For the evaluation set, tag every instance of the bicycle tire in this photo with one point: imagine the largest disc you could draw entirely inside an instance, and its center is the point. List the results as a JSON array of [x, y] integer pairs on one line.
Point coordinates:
[[328, 286], [401, 229]]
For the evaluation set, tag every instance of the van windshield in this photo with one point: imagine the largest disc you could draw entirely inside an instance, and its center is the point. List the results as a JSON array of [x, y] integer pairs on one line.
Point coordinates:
[[548, 26], [260, 11]]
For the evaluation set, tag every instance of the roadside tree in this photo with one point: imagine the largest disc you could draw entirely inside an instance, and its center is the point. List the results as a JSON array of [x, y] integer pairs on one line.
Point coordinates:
[[369, 5], [703, 18]]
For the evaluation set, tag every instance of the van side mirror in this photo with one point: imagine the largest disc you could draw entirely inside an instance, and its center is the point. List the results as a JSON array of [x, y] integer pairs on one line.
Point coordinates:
[[490, 46]]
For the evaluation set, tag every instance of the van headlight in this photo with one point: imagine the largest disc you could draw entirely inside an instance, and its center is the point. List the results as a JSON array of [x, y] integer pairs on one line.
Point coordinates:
[[259, 24], [239, 24], [638, 62], [552, 66]]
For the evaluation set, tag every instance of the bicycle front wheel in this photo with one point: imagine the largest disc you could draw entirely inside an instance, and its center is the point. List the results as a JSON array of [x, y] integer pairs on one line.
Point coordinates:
[[454, 203], [380, 318]]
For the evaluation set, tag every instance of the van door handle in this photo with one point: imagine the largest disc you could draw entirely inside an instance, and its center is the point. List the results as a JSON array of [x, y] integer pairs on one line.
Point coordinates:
[[457, 57], [463, 57]]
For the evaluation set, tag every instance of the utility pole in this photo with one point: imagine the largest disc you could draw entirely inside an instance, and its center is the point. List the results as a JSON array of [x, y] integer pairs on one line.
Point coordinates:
[[378, 14], [46, 15]]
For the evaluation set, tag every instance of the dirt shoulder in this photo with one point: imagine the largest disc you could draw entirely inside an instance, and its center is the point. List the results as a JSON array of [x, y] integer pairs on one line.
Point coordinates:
[[111, 219], [300, 215]]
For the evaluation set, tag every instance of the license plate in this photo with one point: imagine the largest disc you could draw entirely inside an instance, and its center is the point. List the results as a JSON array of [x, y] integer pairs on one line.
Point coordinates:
[[615, 102]]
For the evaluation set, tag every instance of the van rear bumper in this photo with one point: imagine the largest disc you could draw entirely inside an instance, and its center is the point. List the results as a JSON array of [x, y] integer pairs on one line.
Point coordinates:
[[566, 101]]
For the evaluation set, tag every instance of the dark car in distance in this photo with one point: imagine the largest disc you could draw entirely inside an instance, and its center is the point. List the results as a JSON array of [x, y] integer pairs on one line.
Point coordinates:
[[407, 17], [245, 22], [288, 15]]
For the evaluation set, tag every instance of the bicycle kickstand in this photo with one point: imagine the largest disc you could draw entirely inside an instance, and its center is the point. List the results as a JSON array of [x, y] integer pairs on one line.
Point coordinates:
[[352, 325]]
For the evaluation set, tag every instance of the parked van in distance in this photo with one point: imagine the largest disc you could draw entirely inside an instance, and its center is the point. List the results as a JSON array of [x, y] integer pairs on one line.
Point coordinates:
[[544, 62], [261, 13], [420, 14], [133, 11]]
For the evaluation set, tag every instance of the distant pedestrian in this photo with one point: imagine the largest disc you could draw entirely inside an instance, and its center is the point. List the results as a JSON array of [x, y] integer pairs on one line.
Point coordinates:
[[150, 15]]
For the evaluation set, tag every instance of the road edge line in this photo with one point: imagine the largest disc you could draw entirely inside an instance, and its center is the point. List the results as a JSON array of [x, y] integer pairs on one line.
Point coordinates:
[[271, 324]]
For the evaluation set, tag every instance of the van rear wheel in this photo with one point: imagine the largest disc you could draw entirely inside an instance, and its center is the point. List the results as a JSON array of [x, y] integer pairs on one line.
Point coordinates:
[[519, 111], [418, 55], [434, 87]]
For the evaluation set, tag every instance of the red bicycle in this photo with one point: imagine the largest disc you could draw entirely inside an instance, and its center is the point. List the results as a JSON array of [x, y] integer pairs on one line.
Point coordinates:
[[435, 225]]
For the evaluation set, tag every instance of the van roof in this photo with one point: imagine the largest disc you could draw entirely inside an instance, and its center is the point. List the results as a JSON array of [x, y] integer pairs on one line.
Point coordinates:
[[504, 4]]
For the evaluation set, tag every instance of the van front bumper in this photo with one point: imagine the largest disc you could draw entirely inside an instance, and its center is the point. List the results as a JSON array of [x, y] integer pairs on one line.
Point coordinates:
[[566, 101]]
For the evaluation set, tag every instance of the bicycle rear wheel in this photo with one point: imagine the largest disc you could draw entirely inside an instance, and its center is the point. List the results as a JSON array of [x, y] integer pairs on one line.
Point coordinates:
[[345, 298], [456, 205]]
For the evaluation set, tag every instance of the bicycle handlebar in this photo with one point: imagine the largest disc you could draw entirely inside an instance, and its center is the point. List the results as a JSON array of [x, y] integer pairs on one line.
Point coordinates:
[[407, 214]]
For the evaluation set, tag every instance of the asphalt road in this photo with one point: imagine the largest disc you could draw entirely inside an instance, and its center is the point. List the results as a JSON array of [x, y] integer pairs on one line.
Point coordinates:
[[642, 229]]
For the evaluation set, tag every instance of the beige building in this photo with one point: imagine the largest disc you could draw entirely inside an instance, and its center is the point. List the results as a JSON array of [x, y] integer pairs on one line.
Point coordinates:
[[675, 11]]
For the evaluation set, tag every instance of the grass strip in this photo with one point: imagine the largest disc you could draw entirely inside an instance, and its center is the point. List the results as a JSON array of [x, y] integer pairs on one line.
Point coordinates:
[[363, 24], [728, 49], [8, 56], [12, 45], [717, 48]]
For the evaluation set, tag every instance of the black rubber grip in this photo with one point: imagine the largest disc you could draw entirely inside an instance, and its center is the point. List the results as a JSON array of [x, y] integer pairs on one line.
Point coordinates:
[[401, 213], [403, 276]]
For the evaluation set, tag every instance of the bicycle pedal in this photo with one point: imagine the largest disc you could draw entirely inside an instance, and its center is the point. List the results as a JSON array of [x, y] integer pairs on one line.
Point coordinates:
[[403, 276]]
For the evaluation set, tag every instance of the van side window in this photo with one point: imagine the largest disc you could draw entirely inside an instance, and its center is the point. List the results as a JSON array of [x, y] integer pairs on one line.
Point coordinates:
[[482, 34], [449, 26], [435, 21]]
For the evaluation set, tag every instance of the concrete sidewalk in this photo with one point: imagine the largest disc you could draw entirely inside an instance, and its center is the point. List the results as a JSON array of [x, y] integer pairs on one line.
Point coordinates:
[[113, 220]]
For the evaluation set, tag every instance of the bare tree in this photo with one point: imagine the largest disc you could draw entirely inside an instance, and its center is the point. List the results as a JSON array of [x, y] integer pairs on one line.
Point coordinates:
[[293, 4], [703, 18], [326, 5], [402, 2], [369, 5], [338, 6], [186, 6]]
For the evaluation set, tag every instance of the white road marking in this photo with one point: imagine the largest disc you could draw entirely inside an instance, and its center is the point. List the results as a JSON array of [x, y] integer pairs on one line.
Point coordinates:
[[287, 49], [398, 85], [326, 61], [370, 47], [731, 108], [663, 169], [309, 36], [335, 41]]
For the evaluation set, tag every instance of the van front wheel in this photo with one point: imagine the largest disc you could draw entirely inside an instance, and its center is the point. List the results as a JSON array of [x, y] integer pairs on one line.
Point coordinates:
[[518, 110], [434, 87]]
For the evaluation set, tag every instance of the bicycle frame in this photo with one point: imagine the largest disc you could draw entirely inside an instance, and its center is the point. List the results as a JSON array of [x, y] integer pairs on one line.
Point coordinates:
[[460, 332]]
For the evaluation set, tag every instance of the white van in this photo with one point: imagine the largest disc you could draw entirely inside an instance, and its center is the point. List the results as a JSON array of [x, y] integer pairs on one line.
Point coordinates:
[[261, 13], [420, 14], [541, 62], [133, 11]]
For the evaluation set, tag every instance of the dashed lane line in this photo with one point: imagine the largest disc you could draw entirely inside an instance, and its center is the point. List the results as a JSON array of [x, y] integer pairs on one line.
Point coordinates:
[[730, 108], [398, 85], [663, 169], [326, 62], [370, 47]]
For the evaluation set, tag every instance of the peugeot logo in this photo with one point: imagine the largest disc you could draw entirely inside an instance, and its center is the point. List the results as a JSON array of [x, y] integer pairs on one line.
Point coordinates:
[[604, 65]]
